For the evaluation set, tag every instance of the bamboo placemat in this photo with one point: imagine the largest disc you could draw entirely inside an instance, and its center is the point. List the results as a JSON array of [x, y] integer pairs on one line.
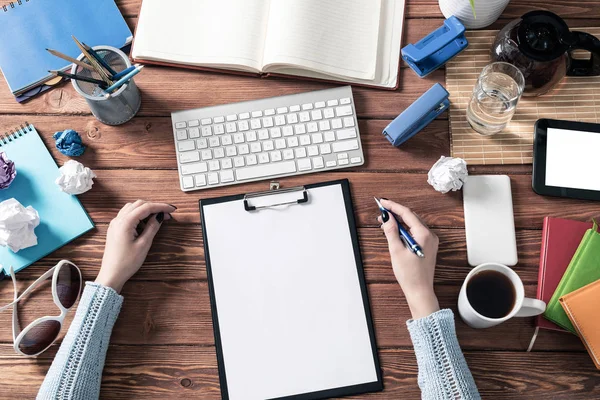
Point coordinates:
[[574, 99]]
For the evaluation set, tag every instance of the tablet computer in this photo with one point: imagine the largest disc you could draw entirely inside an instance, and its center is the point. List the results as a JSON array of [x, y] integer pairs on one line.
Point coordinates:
[[565, 159]]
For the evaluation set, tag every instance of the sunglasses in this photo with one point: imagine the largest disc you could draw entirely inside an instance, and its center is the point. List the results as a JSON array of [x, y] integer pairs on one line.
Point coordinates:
[[39, 335]]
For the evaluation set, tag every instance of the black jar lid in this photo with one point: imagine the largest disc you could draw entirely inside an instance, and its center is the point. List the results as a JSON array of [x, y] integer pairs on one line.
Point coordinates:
[[543, 36]]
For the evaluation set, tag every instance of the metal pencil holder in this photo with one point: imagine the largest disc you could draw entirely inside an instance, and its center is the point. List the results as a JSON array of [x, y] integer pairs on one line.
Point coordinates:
[[121, 105]]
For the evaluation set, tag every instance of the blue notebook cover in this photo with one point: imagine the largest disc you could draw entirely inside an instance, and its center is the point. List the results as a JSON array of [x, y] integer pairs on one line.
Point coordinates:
[[29, 27], [62, 217]]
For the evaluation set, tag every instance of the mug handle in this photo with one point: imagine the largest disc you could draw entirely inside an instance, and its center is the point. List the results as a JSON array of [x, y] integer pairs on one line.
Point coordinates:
[[531, 308]]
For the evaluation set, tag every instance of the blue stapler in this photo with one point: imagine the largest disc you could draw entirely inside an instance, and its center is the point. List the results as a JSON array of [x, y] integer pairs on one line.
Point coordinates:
[[418, 115], [437, 48]]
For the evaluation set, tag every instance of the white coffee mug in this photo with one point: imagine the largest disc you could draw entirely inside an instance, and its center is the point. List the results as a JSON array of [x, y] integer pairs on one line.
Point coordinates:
[[523, 307]]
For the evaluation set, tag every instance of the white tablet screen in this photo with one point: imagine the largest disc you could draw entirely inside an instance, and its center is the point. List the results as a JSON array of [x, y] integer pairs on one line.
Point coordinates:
[[572, 159]]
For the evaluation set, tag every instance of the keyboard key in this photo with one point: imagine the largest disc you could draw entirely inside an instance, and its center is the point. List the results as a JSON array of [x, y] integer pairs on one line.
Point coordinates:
[[325, 148], [257, 114], [343, 111], [251, 159], [243, 149], [280, 144], [345, 100], [214, 142], [200, 180], [304, 140], [318, 162], [282, 110], [316, 115], [230, 127], [231, 151], [181, 134], [336, 123], [219, 152], [348, 122], [312, 127], [288, 130], [292, 118], [226, 140], [263, 134], [232, 117], [331, 103], [194, 168], [320, 104], [194, 122], [275, 156], [275, 132], [307, 106], [330, 164], [255, 147], [251, 136], [268, 145], [218, 120], [194, 133], [317, 138], [244, 115], [304, 116], [243, 126], [205, 121], [312, 151], [270, 111], [189, 156], [238, 162], [300, 129], [206, 154], [355, 160], [328, 113], [187, 145], [238, 138], [324, 125], [255, 124], [345, 145], [188, 182], [260, 171], [180, 125], [213, 178], [329, 136], [226, 164], [227, 176], [343, 162], [294, 108], [304, 164], [288, 154], [280, 120], [214, 165], [293, 141], [219, 129], [206, 131], [300, 152], [341, 156], [267, 122], [346, 134]]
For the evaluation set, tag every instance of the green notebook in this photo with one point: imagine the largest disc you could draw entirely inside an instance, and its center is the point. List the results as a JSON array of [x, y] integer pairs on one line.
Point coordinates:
[[583, 269]]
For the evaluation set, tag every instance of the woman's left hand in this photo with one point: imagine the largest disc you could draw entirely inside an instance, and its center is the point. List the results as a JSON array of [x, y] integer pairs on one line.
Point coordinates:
[[126, 245]]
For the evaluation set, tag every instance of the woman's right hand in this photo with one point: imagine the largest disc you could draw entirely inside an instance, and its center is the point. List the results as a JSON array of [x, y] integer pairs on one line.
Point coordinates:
[[414, 274]]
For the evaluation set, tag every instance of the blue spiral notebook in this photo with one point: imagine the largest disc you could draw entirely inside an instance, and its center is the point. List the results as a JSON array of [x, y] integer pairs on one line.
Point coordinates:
[[62, 217], [29, 27]]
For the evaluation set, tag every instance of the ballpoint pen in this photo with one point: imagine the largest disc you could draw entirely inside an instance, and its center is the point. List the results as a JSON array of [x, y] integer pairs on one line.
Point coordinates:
[[124, 80], [408, 240]]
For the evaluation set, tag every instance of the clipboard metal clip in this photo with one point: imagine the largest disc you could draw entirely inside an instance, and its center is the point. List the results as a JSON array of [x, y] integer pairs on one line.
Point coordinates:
[[275, 190]]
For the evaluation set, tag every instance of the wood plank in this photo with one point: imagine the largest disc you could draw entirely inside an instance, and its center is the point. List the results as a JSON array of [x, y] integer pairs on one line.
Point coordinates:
[[147, 143], [178, 312], [114, 188], [161, 372], [179, 247]]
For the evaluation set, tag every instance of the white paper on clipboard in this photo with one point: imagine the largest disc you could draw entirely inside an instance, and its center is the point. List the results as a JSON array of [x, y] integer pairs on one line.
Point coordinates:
[[290, 309]]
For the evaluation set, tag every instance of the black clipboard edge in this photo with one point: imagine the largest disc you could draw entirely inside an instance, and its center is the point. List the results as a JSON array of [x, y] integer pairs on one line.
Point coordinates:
[[538, 176], [337, 392]]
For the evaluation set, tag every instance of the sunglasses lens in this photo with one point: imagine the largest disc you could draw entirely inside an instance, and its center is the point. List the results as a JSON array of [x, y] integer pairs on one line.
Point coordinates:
[[68, 285], [39, 337]]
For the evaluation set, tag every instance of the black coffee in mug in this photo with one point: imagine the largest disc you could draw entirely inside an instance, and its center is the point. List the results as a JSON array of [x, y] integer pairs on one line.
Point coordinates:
[[491, 293]]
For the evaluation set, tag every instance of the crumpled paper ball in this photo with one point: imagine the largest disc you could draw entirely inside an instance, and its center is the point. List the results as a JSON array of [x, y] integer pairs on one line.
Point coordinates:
[[17, 224], [69, 143], [7, 171], [75, 178], [447, 174]]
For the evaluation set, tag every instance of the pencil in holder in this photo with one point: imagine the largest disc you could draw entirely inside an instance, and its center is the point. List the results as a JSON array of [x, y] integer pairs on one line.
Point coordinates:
[[115, 108]]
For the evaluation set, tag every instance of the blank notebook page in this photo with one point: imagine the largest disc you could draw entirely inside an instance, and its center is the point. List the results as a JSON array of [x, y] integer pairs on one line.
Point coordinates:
[[290, 309]]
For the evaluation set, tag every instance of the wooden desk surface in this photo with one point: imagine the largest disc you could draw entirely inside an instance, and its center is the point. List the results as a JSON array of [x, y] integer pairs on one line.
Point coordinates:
[[162, 345]]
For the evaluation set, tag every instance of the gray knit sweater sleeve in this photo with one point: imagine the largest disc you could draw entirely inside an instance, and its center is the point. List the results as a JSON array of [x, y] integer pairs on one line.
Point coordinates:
[[76, 371], [443, 371]]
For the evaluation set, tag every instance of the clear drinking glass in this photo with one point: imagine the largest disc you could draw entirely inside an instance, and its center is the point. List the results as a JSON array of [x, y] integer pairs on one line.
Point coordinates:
[[495, 97]]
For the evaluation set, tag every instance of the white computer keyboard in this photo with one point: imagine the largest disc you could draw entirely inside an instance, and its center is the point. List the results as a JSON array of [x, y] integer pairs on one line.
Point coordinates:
[[267, 138]]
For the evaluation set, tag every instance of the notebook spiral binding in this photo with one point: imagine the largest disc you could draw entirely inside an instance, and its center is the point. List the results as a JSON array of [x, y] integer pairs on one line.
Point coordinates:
[[12, 4], [15, 133]]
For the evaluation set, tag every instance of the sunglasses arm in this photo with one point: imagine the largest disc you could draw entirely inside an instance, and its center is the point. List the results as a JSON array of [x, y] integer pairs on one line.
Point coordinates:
[[35, 284], [16, 328]]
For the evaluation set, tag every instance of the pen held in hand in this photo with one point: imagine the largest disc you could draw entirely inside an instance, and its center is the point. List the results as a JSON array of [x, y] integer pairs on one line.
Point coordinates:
[[405, 236]]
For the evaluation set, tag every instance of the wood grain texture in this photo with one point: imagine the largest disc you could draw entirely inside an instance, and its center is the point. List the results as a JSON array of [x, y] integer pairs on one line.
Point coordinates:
[[159, 372]]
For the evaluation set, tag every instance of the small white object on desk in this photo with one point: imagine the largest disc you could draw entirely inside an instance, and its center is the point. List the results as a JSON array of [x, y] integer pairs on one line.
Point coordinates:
[[75, 178], [447, 174], [17, 224]]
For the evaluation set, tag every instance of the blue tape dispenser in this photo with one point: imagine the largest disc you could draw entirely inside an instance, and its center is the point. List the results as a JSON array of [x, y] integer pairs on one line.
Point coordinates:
[[437, 48], [418, 115]]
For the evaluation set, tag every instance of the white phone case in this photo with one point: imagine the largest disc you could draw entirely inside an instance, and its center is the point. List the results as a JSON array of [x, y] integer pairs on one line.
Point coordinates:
[[489, 220]]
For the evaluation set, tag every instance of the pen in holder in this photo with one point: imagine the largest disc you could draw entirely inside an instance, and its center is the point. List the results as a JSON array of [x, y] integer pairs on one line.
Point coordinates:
[[117, 107]]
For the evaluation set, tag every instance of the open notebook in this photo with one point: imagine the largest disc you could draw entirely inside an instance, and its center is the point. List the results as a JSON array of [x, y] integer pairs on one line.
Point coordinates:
[[355, 41]]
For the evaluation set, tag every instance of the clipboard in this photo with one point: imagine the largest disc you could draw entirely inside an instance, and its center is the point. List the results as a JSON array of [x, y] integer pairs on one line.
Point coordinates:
[[289, 301]]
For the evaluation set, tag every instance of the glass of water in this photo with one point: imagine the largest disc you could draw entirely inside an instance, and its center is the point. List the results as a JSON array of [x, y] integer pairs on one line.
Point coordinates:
[[495, 98]]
